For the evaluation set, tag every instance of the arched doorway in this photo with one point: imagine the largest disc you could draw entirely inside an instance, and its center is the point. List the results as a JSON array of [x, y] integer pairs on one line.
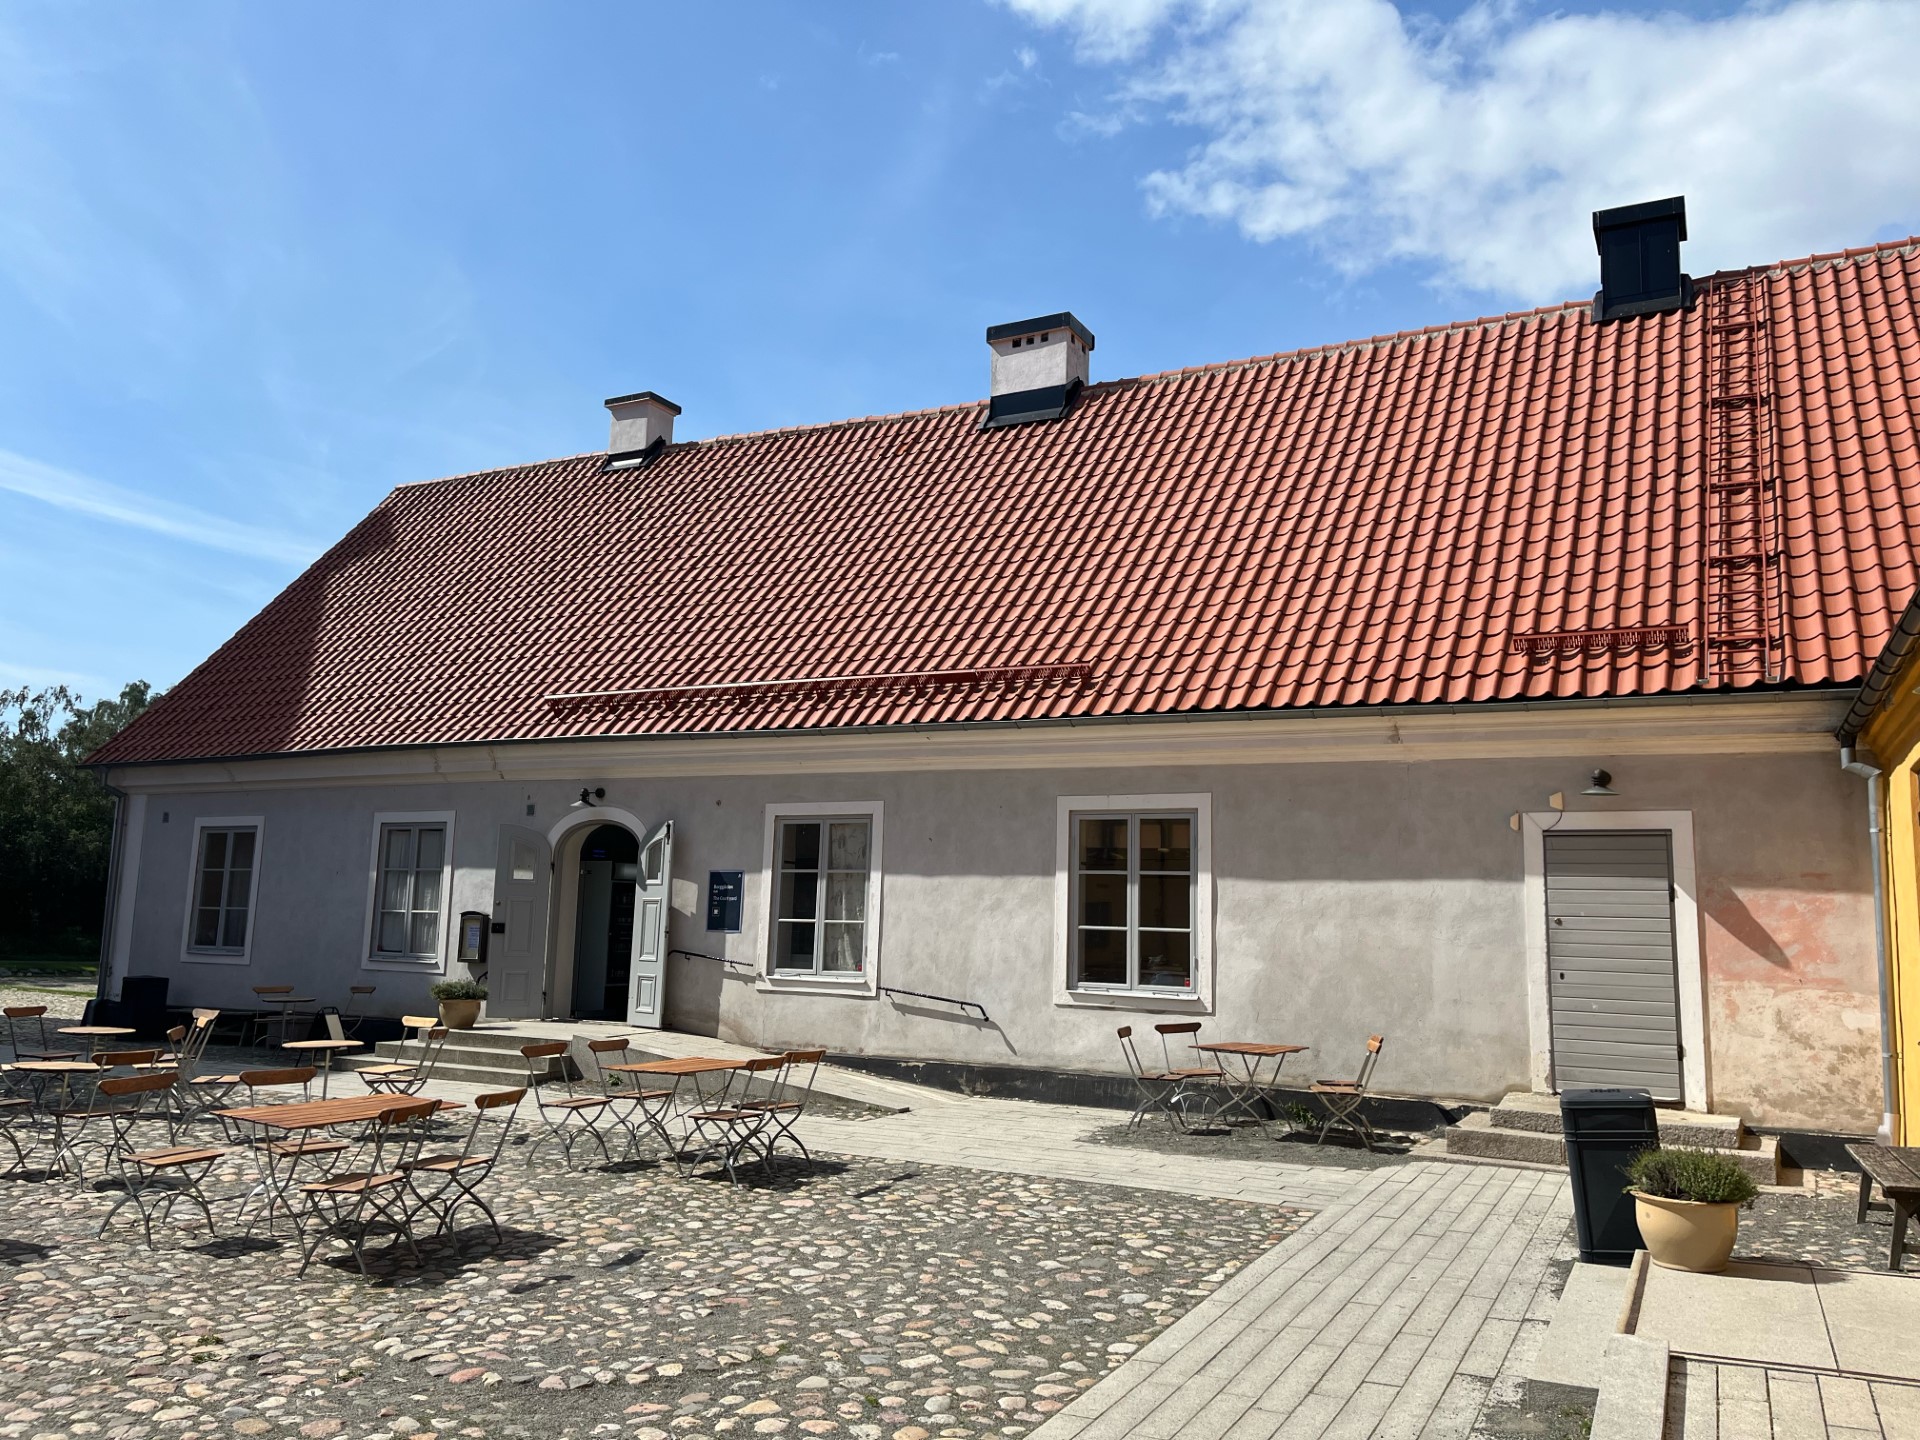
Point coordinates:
[[609, 873]]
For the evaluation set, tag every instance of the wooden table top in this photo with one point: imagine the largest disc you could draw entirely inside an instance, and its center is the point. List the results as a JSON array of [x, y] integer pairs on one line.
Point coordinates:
[[1894, 1166], [323, 1044], [687, 1065], [98, 1030], [1248, 1047], [57, 1067], [317, 1114]]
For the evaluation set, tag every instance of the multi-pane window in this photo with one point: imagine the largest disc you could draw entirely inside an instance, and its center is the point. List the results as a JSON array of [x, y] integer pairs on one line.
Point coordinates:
[[406, 919], [223, 889], [1133, 901], [821, 877]]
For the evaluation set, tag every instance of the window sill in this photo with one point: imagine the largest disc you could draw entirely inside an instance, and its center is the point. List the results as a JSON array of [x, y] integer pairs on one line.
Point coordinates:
[[216, 957], [817, 984], [1149, 1001], [407, 964]]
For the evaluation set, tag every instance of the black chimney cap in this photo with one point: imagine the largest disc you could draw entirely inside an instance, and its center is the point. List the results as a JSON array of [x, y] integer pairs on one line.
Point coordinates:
[[1639, 249]]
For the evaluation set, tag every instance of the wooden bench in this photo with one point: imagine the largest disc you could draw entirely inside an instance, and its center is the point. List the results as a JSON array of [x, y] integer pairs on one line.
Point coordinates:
[[1897, 1168]]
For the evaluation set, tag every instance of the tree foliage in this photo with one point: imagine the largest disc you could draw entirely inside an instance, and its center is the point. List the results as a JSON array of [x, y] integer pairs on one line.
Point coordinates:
[[56, 819]]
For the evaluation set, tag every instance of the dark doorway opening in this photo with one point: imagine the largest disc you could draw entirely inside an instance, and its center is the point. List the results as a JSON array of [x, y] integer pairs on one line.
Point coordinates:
[[603, 932]]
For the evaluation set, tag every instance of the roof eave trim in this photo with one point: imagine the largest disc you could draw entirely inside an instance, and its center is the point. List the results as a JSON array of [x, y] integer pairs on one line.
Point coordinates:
[[1874, 689]]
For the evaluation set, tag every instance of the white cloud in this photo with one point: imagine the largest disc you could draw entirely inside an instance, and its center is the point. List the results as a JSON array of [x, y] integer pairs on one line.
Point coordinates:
[[68, 491], [1477, 148]]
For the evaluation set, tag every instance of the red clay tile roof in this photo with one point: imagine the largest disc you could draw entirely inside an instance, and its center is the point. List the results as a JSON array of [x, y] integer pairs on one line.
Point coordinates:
[[1367, 524]]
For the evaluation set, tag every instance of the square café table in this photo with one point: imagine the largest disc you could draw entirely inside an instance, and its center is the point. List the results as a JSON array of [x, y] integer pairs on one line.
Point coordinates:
[[302, 1116], [686, 1067], [1245, 1090]]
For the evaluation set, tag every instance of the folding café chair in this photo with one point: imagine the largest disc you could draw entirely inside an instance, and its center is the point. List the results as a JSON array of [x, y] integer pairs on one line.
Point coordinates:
[[187, 1044], [1168, 1091], [1342, 1099], [17, 1117], [586, 1112], [106, 1122], [260, 1022], [156, 1179], [358, 998], [737, 1122], [408, 1077], [375, 1190], [631, 1105], [276, 1159], [785, 1113], [27, 1033], [109, 1060], [441, 1184]]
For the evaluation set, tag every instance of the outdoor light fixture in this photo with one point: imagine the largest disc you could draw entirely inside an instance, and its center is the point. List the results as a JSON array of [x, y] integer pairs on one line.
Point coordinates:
[[1602, 784], [590, 797]]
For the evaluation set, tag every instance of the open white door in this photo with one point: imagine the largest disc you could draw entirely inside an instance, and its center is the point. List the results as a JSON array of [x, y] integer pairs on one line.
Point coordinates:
[[646, 992], [517, 957]]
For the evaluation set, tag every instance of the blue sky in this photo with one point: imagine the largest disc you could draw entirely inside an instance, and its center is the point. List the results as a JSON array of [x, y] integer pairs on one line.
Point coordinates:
[[261, 263]]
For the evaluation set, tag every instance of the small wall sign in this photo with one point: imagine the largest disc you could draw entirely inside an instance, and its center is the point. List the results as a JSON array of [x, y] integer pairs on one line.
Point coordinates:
[[724, 888]]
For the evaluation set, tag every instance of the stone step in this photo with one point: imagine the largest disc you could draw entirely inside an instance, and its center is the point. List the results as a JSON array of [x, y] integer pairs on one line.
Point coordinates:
[[1476, 1135], [1522, 1110]]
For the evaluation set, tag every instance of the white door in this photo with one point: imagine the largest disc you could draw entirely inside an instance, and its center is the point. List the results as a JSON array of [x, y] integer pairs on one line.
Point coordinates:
[[517, 956], [646, 991]]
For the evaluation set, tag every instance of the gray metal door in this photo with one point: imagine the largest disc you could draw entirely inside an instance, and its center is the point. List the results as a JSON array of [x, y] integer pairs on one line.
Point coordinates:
[[517, 956], [1611, 976]]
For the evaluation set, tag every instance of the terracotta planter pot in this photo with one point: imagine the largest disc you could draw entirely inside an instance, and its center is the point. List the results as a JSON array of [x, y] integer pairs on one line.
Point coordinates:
[[460, 1014], [1686, 1234]]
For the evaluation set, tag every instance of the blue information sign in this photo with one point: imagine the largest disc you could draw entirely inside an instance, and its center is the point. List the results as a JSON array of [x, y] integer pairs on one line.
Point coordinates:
[[723, 898]]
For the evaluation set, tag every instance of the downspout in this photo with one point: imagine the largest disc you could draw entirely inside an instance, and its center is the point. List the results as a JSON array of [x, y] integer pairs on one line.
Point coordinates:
[[1865, 764], [103, 970]]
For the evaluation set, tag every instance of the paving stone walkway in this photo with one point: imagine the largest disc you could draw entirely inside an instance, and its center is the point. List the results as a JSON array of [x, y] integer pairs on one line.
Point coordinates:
[[1397, 1313], [1707, 1400]]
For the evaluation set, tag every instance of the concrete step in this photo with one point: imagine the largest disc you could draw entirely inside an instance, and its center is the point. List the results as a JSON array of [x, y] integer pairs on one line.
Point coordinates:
[[471, 1065], [492, 1078], [1523, 1110], [1476, 1135]]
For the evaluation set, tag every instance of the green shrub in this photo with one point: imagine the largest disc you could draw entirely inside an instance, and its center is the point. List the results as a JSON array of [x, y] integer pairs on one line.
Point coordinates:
[[459, 990], [1702, 1175]]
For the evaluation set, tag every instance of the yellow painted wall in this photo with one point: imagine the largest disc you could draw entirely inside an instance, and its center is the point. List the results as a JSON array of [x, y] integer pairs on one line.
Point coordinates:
[[1894, 737]]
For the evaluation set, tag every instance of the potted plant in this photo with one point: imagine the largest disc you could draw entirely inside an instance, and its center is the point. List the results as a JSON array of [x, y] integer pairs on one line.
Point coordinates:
[[1688, 1205], [459, 1002]]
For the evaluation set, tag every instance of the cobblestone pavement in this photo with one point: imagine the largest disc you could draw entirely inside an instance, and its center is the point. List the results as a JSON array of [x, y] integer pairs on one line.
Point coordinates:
[[67, 1001], [872, 1299], [1818, 1226]]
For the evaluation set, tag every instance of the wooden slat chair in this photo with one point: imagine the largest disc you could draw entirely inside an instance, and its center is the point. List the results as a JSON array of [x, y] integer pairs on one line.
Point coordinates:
[[187, 1044], [359, 1000], [17, 1118], [260, 1022], [571, 1117], [441, 1184], [106, 1122], [1342, 1099], [374, 1191], [633, 1107], [1171, 1089], [27, 1034], [784, 1110], [408, 1077], [156, 1180], [736, 1125]]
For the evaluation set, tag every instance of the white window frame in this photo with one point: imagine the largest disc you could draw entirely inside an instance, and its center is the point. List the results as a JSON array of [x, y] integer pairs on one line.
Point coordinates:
[[411, 964], [1198, 1000], [189, 952], [868, 980]]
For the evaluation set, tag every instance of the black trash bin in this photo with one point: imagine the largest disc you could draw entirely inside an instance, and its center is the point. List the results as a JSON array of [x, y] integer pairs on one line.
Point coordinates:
[[1605, 1129], [143, 1004]]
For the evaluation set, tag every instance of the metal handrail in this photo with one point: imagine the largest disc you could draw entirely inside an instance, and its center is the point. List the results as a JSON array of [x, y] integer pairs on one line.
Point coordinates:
[[943, 999], [731, 964]]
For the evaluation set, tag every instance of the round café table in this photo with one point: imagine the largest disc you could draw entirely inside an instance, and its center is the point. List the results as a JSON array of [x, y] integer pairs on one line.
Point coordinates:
[[95, 1033], [327, 1050]]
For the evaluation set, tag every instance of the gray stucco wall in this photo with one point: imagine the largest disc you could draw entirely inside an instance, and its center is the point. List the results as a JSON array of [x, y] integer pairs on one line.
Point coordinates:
[[1349, 898]]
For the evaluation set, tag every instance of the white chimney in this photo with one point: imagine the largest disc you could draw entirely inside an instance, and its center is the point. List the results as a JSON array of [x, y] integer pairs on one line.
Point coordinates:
[[1038, 368], [640, 424]]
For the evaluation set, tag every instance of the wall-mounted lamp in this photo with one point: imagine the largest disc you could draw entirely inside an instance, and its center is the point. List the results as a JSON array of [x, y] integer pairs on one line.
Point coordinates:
[[589, 797], [1602, 784]]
